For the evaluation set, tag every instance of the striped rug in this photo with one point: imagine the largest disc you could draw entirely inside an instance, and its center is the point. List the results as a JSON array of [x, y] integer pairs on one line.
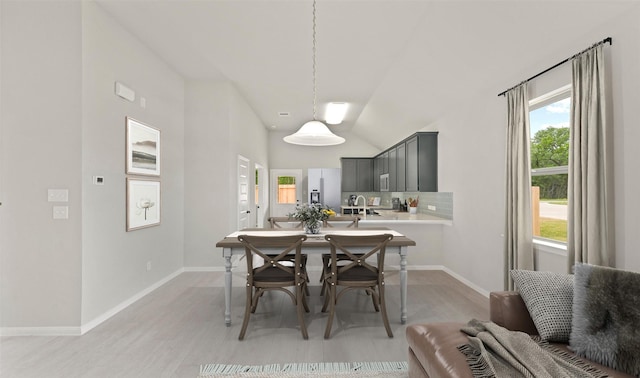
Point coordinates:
[[320, 369]]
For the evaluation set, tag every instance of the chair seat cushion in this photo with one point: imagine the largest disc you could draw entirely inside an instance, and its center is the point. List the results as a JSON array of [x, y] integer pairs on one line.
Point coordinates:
[[358, 273], [273, 275]]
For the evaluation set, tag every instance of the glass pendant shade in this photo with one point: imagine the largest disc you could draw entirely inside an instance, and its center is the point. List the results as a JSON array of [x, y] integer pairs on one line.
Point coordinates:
[[314, 133]]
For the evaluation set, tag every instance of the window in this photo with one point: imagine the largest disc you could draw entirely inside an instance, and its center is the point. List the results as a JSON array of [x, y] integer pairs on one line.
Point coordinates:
[[549, 119], [286, 189]]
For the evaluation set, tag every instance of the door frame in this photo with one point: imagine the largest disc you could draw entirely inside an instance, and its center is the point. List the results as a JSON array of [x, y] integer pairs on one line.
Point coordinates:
[[276, 209], [262, 188], [241, 191]]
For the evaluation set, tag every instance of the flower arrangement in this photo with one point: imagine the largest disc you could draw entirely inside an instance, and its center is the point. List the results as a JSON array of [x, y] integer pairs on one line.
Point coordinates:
[[312, 215], [413, 202]]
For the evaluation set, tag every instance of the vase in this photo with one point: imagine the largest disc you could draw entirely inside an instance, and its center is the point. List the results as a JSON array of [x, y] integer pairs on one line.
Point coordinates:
[[312, 228], [413, 210]]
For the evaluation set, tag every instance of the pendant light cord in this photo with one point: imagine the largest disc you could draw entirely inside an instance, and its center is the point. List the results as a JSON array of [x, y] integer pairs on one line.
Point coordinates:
[[314, 60]]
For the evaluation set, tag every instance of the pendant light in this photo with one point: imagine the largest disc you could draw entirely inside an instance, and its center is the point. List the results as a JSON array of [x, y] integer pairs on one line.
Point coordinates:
[[314, 133]]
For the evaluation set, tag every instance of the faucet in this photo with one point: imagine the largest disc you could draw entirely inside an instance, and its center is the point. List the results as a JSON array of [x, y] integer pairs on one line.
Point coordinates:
[[364, 202]]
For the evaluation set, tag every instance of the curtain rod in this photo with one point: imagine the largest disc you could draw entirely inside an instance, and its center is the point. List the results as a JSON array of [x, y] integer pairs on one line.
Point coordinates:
[[606, 40]]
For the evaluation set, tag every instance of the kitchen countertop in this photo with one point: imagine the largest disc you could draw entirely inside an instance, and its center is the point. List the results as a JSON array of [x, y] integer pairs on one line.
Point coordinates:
[[393, 216]]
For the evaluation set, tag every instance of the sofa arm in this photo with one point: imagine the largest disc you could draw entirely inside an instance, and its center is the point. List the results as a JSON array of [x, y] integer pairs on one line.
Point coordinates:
[[507, 309]]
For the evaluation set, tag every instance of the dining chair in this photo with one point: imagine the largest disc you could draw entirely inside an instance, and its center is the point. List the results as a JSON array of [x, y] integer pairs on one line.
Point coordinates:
[[284, 222], [363, 270], [332, 222], [341, 221], [287, 223], [275, 274]]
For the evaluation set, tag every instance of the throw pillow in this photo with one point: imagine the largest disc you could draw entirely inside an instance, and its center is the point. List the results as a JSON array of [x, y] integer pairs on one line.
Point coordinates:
[[548, 297], [606, 315]]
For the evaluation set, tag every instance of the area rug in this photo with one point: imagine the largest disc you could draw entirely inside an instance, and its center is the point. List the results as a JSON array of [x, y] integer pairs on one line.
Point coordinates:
[[320, 369]]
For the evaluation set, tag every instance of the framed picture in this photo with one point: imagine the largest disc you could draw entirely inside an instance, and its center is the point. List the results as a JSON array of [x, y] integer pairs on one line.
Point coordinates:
[[143, 149], [143, 203]]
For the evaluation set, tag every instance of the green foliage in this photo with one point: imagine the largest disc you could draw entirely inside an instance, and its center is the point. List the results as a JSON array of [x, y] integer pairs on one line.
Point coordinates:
[[286, 180], [550, 148], [311, 214]]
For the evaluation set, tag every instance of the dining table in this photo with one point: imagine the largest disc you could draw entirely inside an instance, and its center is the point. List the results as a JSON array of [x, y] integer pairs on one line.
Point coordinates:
[[315, 244]]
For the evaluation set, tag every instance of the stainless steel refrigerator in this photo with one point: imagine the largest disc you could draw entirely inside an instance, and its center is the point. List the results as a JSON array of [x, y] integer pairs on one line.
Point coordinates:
[[327, 182]]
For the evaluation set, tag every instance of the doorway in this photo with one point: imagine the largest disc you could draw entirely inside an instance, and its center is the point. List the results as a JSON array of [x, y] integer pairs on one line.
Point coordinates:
[[286, 189], [261, 196], [244, 211]]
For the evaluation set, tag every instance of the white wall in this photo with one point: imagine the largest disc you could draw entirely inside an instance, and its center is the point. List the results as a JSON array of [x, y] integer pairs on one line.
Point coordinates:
[[219, 127], [41, 118], [208, 169], [114, 262], [471, 147]]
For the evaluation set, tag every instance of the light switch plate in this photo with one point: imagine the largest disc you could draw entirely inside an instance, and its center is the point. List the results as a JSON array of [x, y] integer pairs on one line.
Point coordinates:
[[431, 207], [58, 195], [61, 212]]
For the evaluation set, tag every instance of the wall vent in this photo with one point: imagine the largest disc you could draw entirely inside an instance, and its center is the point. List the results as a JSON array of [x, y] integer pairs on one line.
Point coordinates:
[[284, 114]]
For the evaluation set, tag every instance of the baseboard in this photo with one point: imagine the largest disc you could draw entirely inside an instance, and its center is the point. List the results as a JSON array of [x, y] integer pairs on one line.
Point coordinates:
[[466, 282], [102, 318], [40, 331], [204, 269]]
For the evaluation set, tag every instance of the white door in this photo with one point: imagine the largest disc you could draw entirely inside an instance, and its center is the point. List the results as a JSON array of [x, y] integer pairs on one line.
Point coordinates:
[[244, 212], [261, 196], [286, 191]]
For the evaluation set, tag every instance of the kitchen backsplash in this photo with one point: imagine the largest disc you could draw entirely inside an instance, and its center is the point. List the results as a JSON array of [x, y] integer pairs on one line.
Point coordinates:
[[427, 201]]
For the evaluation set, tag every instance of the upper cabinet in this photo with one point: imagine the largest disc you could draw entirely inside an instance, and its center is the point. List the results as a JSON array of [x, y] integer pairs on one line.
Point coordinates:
[[357, 174], [401, 168], [422, 162], [412, 166], [393, 169]]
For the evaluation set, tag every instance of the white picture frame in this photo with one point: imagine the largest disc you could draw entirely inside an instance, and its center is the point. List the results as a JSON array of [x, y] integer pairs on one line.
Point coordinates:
[[143, 203], [142, 148]]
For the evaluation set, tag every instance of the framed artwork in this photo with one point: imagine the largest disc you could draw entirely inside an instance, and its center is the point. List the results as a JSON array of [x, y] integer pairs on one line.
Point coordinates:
[[143, 149], [143, 203]]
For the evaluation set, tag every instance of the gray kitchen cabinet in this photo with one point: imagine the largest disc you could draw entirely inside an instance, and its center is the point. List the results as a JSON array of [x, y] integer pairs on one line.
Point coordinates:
[[357, 174], [393, 169], [401, 168], [385, 162], [365, 175], [422, 162], [377, 171], [349, 174], [412, 164]]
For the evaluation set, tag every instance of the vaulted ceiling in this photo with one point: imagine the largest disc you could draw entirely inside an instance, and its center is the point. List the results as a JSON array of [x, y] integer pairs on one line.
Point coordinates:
[[399, 64]]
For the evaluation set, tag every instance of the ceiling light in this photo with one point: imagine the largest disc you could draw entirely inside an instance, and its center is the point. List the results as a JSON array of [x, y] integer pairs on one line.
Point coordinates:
[[314, 133], [336, 112]]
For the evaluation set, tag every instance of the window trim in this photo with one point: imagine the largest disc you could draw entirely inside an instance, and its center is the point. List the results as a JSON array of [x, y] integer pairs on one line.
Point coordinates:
[[546, 171], [550, 97]]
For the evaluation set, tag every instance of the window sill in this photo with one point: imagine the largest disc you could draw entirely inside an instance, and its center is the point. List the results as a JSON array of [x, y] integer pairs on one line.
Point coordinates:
[[550, 246]]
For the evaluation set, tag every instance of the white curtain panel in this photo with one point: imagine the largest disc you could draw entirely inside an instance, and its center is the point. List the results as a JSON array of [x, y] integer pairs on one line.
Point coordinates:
[[518, 247], [589, 236]]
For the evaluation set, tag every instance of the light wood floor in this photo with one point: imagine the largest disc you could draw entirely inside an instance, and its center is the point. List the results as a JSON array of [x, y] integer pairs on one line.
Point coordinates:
[[175, 329]]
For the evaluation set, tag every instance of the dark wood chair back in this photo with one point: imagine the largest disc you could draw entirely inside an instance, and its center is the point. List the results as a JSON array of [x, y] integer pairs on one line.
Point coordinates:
[[284, 222], [277, 271], [342, 221], [361, 267]]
